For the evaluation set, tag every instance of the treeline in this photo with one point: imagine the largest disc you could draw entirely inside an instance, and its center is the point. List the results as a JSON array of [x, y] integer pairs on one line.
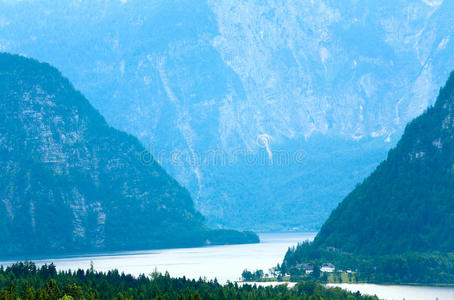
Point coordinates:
[[26, 281], [410, 267]]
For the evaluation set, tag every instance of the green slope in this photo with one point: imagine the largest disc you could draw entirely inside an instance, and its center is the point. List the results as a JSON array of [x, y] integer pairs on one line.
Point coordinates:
[[71, 183], [397, 226], [407, 203]]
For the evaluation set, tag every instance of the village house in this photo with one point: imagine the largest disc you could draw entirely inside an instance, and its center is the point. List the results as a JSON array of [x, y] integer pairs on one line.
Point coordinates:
[[308, 268], [328, 268]]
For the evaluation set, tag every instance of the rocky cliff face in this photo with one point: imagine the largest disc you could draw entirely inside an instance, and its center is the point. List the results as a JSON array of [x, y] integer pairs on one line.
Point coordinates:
[[72, 183], [242, 101]]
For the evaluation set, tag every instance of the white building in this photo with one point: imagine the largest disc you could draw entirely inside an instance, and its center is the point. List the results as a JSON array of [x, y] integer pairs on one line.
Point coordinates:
[[328, 268]]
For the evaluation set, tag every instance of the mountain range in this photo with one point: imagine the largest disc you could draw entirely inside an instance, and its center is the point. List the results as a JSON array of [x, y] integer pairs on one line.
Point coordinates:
[[254, 106]]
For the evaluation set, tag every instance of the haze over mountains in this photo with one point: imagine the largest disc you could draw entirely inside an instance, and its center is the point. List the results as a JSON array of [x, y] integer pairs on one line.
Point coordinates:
[[71, 183], [249, 81]]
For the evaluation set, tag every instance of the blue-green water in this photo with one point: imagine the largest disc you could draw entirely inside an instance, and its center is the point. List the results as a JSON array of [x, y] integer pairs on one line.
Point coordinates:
[[399, 292], [221, 262], [226, 264]]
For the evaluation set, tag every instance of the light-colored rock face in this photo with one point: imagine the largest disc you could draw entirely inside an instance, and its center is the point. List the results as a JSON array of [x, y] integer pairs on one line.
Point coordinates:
[[196, 80], [279, 52], [349, 67]]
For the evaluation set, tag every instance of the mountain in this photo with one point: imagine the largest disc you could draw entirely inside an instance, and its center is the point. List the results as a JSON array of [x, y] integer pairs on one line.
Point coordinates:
[[254, 106], [72, 183], [396, 226], [407, 203]]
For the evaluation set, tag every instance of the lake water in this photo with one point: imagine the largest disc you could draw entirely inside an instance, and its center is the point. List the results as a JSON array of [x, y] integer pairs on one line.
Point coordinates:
[[399, 292], [221, 262], [227, 263]]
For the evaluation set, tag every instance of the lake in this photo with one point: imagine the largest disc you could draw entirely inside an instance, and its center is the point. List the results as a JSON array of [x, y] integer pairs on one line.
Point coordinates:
[[399, 292], [221, 262], [226, 263]]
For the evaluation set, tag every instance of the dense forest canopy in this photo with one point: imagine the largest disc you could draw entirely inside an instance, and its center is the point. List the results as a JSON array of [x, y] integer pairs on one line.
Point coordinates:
[[27, 281]]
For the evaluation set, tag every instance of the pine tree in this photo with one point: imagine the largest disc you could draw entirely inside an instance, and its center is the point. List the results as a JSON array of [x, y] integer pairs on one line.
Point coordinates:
[[52, 290], [28, 292]]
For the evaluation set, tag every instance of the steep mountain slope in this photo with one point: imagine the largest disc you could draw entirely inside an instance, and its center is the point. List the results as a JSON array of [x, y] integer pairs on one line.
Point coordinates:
[[407, 204], [396, 226], [72, 183], [241, 101]]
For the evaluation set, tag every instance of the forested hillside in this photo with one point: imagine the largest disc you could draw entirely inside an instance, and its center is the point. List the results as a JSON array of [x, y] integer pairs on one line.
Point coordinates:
[[397, 225], [71, 183], [407, 204]]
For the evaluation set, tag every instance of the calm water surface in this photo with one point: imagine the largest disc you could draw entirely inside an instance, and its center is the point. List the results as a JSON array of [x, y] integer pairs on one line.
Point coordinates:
[[226, 263], [399, 292], [221, 262]]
